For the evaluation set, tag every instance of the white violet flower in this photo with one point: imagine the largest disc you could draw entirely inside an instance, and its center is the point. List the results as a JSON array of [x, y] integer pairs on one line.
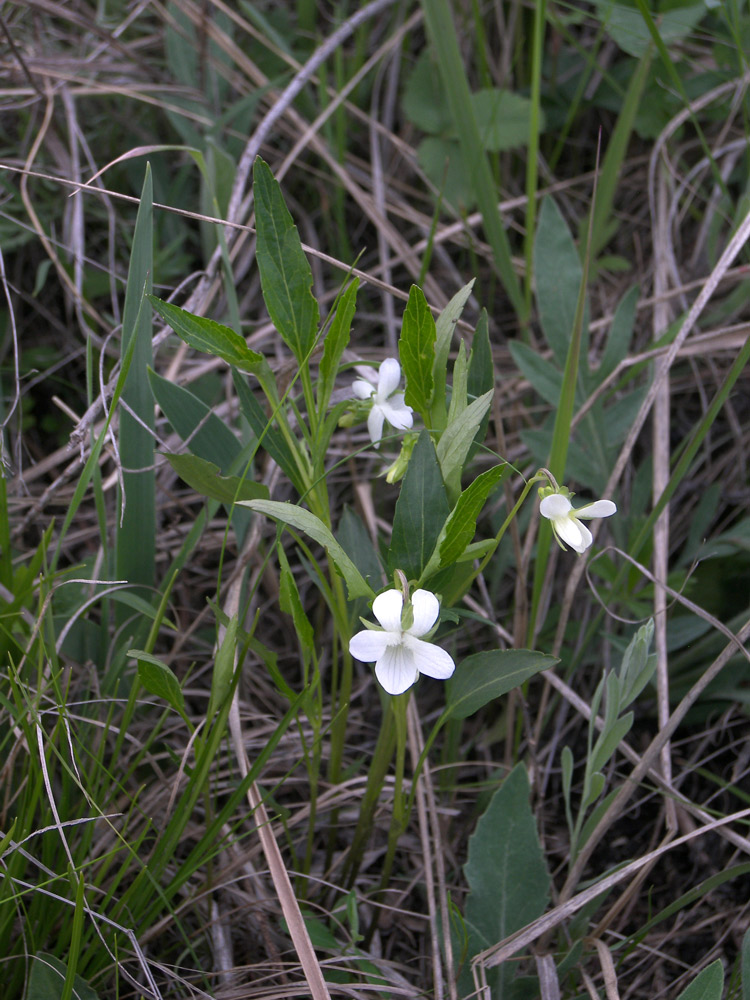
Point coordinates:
[[387, 404], [566, 520], [399, 653]]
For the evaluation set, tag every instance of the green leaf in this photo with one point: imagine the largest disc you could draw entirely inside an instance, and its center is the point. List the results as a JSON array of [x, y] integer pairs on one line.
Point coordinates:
[[459, 389], [629, 31], [456, 441], [620, 334], [417, 350], [421, 511], [291, 603], [207, 435], [223, 674], [270, 437], [558, 272], [505, 870], [285, 274], [542, 374], [444, 329], [707, 985], [461, 526], [158, 679], [746, 966], [423, 101], [135, 532], [336, 340], [304, 520], [609, 740], [355, 539], [205, 478], [485, 676], [47, 978], [503, 118], [207, 335]]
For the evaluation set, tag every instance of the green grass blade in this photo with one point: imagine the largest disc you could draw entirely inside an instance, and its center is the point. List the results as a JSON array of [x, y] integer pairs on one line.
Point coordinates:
[[136, 530], [442, 33]]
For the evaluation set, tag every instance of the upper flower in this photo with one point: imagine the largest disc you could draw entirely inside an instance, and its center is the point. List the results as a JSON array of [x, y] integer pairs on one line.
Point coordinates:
[[387, 404], [400, 654], [566, 521]]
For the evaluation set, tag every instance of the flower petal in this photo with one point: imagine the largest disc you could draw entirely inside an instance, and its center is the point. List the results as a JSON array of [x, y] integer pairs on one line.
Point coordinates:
[[429, 658], [397, 413], [599, 508], [369, 645], [362, 389], [555, 505], [586, 537], [387, 608], [396, 669], [389, 376], [426, 608], [375, 424], [570, 531]]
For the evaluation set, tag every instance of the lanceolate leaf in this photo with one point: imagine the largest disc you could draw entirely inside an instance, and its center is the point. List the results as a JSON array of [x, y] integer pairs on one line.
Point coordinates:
[[336, 340], [456, 441], [285, 275], [421, 511], [207, 335], [205, 478], [417, 350], [462, 524], [305, 520], [484, 676]]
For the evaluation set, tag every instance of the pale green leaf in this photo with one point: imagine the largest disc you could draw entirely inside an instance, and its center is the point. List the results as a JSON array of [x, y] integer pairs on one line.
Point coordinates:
[[456, 441], [158, 679], [306, 521]]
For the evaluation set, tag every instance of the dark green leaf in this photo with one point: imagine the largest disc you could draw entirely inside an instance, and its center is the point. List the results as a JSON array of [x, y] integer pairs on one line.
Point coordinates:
[[542, 374], [158, 679], [462, 524], [417, 350], [558, 272], [505, 870], [205, 478], [47, 978], [207, 335], [485, 676], [421, 511], [444, 329], [707, 985], [291, 603], [503, 118], [456, 441], [285, 274], [336, 340], [355, 539], [223, 675]]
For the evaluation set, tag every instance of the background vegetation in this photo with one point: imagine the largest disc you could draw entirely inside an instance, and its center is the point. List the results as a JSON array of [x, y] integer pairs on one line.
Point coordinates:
[[192, 801]]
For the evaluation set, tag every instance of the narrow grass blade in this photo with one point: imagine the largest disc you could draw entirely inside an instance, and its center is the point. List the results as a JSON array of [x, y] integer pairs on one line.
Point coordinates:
[[442, 33], [136, 530]]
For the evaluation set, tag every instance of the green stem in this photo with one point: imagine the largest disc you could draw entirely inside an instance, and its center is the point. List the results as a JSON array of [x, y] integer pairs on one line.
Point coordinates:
[[400, 813]]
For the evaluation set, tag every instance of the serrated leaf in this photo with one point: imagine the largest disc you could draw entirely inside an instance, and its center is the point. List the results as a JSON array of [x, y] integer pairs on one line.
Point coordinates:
[[285, 274], [205, 478], [306, 521], [707, 985], [444, 329], [483, 677], [417, 350], [421, 511], [335, 342], [456, 441], [461, 526], [203, 334], [158, 679]]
